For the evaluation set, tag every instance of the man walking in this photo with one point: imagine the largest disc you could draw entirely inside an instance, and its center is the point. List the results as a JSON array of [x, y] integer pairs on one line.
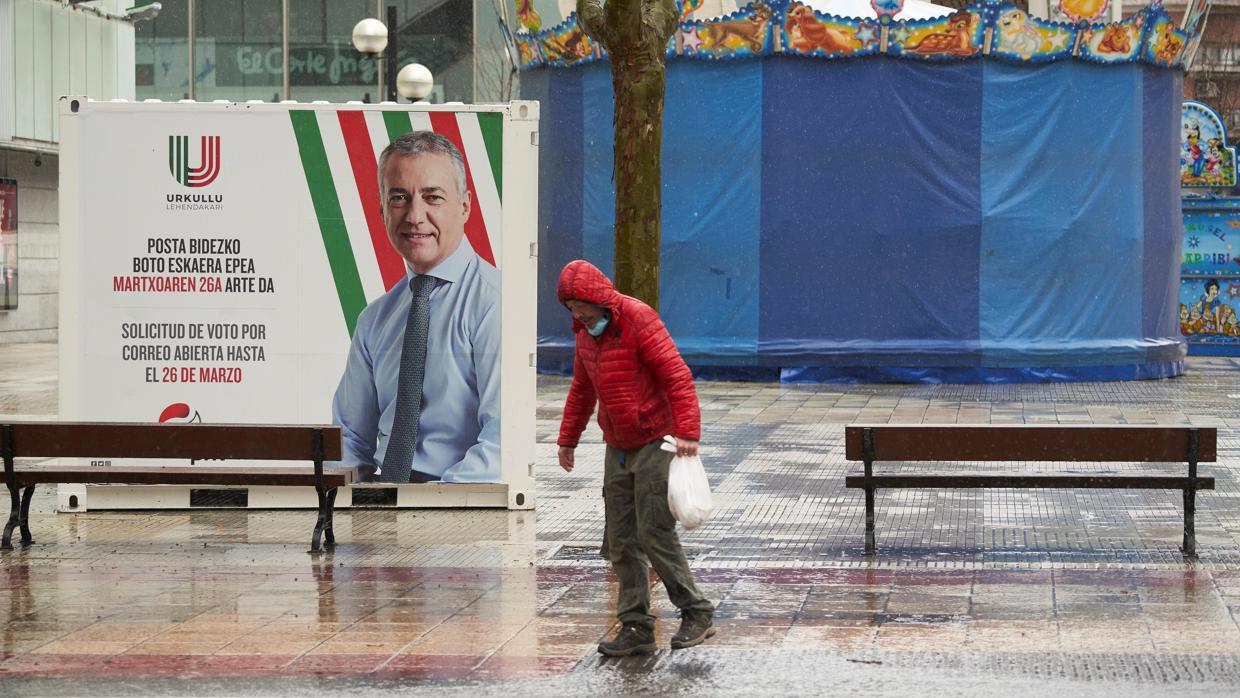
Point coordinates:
[[626, 362]]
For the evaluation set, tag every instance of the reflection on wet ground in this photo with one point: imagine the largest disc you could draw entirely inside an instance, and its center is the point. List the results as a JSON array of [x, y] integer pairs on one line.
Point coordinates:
[[972, 592]]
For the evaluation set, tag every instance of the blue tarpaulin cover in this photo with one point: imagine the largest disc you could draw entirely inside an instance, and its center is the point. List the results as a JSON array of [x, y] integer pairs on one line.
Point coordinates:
[[880, 219]]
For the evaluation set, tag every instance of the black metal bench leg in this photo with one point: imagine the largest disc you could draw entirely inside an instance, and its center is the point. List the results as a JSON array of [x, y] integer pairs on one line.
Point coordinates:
[[15, 517], [322, 522], [1190, 495], [1190, 528], [329, 535], [867, 447], [24, 522], [869, 520], [326, 499]]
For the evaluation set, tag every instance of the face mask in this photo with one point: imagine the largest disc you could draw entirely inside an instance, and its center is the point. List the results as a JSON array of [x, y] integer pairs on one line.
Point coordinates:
[[597, 328]]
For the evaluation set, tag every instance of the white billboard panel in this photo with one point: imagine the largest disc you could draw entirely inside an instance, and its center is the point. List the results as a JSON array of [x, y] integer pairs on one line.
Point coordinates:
[[217, 258]]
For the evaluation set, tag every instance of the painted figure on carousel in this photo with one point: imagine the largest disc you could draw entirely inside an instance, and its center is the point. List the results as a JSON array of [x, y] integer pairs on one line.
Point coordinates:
[[1209, 308], [1195, 323], [528, 16], [1196, 158]]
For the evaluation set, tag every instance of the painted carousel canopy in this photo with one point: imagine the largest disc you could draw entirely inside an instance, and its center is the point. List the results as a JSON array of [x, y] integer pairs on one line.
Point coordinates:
[[987, 30], [913, 9]]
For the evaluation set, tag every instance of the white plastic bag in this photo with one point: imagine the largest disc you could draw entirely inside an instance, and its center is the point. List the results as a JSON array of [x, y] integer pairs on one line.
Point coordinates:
[[688, 490]]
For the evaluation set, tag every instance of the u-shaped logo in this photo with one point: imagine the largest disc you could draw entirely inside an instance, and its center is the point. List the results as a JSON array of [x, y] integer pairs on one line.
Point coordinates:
[[208, 167]]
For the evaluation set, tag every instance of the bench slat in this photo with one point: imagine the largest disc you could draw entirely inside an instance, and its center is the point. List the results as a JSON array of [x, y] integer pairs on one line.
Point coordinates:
[[1032, 442], [972, 480], [156, 475], [194, 441]]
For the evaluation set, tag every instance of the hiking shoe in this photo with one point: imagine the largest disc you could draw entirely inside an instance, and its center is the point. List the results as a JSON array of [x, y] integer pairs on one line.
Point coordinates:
[[694, 629], [632, 639]]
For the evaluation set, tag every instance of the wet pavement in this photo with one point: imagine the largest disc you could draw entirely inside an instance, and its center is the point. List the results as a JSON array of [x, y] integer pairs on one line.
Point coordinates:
[[972, 592]]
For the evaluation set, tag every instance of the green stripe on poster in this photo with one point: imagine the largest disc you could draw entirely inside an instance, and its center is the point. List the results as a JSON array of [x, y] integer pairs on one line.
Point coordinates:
[[327, 210], [397, 124], [183, 166], [492, 126]]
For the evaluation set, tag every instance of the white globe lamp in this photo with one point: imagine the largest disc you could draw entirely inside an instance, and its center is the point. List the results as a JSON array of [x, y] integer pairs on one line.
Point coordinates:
[[370, 36], [414, 82]]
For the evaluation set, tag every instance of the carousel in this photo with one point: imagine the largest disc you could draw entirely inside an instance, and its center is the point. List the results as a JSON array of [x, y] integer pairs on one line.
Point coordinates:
[[891, 191]]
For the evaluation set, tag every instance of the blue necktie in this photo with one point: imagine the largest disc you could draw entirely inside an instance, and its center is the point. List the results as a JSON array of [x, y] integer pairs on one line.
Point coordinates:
[[398, 460]]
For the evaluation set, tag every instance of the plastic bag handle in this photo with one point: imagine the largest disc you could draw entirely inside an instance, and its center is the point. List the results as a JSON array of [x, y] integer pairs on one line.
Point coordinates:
[[669, 443]]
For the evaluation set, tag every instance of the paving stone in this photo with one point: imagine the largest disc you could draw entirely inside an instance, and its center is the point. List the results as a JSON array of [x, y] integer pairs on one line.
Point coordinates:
[[1001, 587]]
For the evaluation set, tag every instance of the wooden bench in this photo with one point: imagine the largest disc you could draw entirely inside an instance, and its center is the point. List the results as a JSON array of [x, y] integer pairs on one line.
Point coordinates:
[[1084, 443], [98, 440]]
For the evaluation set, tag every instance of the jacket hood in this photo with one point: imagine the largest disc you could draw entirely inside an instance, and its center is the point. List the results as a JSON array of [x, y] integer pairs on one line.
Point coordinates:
[[583, 281]]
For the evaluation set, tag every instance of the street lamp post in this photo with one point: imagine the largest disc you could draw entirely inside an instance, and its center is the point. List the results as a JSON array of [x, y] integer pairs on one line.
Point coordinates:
[[370, 36], [414, 81], [391, 56]]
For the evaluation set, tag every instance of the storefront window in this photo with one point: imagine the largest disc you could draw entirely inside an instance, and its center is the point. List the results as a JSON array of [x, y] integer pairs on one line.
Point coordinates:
[[239, 53], [439, 35], [239, 50], [323, 63], [495, 74], [161, 53]]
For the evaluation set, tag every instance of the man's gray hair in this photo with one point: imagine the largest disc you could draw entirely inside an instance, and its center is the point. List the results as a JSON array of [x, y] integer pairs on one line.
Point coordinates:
[[422, 143]]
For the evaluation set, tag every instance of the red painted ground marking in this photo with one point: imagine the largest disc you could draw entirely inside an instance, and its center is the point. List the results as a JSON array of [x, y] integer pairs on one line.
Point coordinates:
[[1013, 577], [515, 667], [220, 665], [51, 664], [436, 661], [419, 672], [336, 664]]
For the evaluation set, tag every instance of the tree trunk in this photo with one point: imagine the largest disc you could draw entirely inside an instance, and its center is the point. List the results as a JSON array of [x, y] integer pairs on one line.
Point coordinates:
[[635, 35]]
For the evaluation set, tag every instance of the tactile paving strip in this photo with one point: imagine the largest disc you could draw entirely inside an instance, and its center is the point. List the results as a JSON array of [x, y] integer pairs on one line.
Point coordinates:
[[1160, 669]]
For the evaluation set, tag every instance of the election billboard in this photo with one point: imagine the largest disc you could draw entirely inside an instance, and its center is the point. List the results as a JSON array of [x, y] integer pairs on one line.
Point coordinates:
[[258, 263]]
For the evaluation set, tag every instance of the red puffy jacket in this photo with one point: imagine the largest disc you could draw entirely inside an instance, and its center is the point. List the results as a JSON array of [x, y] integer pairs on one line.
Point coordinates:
[[643, 388]]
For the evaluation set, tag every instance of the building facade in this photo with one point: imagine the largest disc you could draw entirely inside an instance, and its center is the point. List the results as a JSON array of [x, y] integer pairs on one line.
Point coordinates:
[[302, 50], [51, 49]]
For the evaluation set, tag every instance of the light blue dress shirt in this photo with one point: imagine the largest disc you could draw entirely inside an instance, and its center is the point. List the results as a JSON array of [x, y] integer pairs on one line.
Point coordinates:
[[458, 430]]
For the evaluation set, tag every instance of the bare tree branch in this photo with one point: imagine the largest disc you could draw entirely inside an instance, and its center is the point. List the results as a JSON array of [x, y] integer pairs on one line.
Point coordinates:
[[591, 20]]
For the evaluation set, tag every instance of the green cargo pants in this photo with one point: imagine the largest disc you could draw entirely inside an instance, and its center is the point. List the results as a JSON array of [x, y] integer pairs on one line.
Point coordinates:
[[641, 533]]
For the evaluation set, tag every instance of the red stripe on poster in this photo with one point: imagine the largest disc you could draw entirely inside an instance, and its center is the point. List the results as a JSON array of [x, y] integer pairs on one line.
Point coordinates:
[[475, 228], [366, 173]]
